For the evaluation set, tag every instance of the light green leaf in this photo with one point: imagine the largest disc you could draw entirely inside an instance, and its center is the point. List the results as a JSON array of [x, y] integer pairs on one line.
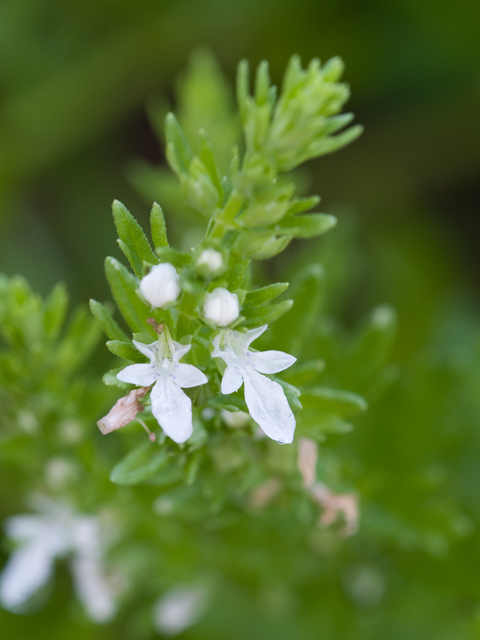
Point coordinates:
[[131, 234], [158, 227], [341, 403], [306, 226], [125, 350], [258, 316], [108, 324], [55, 310], [259, 296], [139, 465]]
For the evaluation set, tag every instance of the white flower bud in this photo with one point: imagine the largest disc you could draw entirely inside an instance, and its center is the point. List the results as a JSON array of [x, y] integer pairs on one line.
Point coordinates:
[[161, 286], [221, 307], [210, 261]]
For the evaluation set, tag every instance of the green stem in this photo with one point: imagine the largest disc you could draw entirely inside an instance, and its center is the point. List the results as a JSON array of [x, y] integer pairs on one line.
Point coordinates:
[[224, 220]]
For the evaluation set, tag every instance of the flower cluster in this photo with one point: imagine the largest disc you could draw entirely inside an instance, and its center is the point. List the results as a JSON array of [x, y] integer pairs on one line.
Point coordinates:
[[167, 376]]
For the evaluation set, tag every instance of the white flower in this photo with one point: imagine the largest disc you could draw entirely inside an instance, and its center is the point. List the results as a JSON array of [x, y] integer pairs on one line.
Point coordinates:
[[210, 262], [265, 398], [52, 533], [221, 307], [161, 286], [179, 609], [170, 405]]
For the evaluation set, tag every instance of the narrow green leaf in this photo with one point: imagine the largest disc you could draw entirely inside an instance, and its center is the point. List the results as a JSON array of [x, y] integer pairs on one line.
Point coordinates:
[[158, 226], [178, 143], [243, 93], [265, 315], [303, 204], [125, 350], [108, 324], [259, 296], [139, 465], [55, 310], [307, 289], [131, 233], [262, 83], [208, 159], [341, 403], [303, 373], [307, 226], [124, 289]]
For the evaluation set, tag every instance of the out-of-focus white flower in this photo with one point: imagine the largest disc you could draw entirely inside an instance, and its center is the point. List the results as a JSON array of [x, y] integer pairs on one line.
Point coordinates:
[[265, 398], [179, 609], [235, 419], [210, 262], [161, 286], [56, 531], [170, 405], [221, 307]]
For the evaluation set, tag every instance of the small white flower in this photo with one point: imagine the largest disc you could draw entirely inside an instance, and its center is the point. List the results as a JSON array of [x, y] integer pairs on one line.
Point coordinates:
[[56, 531], [161, 286], [179, 609], [170, 405], [221, 307], [210, 262], [265, 398]]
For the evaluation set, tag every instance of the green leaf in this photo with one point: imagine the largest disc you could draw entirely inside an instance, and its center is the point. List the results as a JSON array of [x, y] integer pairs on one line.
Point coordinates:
[[179, 152], [375, 339], [158, 227], [306, 226], [341, 403], [139, 465], [208, 159], [303, 204], [55, 310], [259, 296], [295, 331], [111, 380], [131, 235], [108, 324], [125, 350], [175, 257], [256, 317], [124, 289], [304, 373]]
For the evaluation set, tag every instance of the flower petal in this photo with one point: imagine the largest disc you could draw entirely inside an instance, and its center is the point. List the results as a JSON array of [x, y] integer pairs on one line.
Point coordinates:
[[141, 374], [232, 380], [172, 408], [269, 407], [186, 375], [93, 589], [271, 361], [180, 350], [148, 350], [253, 334], [28, 569]]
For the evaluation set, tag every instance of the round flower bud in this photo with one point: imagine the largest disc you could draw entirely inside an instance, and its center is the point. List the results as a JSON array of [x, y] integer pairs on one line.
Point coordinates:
[[210, 262], [221, 307], [161, 286]]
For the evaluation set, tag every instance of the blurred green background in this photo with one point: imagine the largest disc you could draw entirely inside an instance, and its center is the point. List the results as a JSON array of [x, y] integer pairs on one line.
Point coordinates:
[[75, 78]]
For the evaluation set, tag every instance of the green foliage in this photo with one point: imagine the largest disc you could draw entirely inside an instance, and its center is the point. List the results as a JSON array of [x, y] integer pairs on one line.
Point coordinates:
[[228, 507]]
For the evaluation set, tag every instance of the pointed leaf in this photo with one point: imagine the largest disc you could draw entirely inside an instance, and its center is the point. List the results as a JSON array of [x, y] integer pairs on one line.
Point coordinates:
[[124, 289], [55, 310], [108, 324], [265, 315], [125, 350], [158, 227], [131, 233], [259, 296], [341, 403], [139, 465], [180, 152], [307, 226]]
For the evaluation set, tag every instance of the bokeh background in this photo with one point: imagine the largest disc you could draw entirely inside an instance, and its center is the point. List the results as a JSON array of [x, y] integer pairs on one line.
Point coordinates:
[[75, 81]]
